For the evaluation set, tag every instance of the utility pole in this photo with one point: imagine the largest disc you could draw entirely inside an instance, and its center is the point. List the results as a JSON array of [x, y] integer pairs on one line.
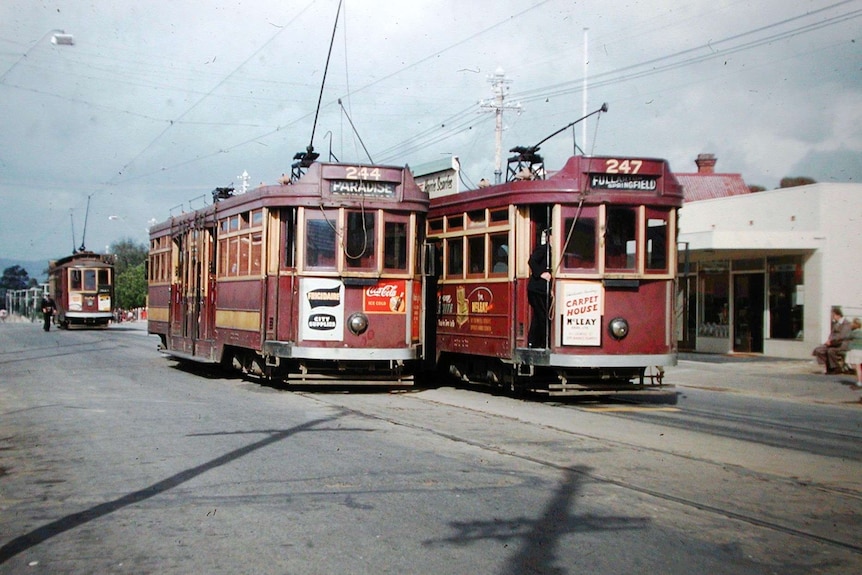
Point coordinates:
[[499, 83]]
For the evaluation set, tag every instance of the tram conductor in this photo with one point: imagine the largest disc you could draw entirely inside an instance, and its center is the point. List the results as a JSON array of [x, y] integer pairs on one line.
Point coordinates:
[[539, 291]]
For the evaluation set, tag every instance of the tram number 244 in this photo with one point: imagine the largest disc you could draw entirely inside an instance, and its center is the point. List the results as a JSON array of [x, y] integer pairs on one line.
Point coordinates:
[[362, 173], [623, 166]]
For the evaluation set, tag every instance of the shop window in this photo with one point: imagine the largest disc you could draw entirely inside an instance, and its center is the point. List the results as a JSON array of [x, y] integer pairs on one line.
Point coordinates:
[[714, 318], [786, 294]]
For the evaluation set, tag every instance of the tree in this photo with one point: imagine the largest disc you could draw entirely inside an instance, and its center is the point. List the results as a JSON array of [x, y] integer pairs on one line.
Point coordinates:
[[127, 254], [793, 181], [754, 188], [130, 288], [130, 281], [15, 277]]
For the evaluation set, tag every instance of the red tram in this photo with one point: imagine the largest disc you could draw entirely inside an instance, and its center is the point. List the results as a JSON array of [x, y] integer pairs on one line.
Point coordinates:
[[82, 286], [611, 224], [310, 279]]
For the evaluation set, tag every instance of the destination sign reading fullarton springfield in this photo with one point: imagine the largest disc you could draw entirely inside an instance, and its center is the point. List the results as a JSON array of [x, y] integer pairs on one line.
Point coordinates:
[[622, 182]]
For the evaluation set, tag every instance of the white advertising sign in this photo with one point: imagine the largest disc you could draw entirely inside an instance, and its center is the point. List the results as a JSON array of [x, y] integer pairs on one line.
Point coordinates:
[[581, 307], [321, 314]]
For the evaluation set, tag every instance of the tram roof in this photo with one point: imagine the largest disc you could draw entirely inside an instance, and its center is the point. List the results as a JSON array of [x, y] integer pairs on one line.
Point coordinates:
[[574, 177], [372, 190], [83, 258]]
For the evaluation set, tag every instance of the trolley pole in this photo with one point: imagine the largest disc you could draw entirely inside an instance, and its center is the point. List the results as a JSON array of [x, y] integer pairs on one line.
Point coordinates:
[[499, 83]]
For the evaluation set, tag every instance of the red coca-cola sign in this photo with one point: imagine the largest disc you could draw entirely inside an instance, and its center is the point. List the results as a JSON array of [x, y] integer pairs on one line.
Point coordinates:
[[385, 297]]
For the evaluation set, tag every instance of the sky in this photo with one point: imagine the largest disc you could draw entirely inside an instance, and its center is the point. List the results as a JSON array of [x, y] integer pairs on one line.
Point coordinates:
[[158, 103]]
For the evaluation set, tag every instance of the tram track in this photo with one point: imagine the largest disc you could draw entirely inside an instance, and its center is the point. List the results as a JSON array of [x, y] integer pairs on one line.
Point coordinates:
[[715, 509]]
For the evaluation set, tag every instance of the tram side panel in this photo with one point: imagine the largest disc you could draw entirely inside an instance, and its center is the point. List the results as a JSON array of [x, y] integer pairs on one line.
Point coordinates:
[[474, 319]]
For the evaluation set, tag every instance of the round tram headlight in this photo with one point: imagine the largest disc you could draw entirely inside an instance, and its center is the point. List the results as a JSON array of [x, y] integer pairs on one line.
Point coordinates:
[[357, 323], [618, 327]]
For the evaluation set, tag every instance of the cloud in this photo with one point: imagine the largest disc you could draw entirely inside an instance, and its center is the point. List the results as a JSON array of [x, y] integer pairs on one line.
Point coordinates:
[[157, 104]]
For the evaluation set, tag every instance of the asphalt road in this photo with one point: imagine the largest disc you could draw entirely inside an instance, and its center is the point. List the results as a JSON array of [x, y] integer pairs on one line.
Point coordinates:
[[114, 459]]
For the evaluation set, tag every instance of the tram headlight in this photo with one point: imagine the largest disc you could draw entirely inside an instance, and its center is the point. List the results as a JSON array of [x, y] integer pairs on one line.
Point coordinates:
[[618, 327], [357, 323]]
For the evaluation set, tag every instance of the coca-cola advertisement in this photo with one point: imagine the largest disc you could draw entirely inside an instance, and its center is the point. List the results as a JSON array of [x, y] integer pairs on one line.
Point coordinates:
[[387, 296]]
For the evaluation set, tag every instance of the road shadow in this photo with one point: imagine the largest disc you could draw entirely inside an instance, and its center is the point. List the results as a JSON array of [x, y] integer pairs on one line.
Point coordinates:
[[539, 538], [44, 533]]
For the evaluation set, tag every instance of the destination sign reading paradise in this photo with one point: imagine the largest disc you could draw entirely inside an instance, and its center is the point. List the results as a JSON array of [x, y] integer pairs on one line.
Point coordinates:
[[622, 182], [362, 188]]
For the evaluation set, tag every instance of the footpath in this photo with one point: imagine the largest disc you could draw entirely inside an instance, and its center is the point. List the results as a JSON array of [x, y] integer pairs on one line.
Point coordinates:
[[791, 379], [750, 374]]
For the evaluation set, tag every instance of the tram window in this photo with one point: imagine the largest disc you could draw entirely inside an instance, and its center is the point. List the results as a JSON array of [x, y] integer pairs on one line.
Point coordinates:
[[620, 238], [320, 242], [435, 225], [476, 218], [233, 256], [104, 278], [499, 217], [75, 280], [234, 223], [476, 254], [89, 280], [455, 257], [395, 246], [455, 222], [222, 257], [256, 252], [244, 254], [288, 234], [656, 244], [257, 218], [360, 250], [499, 253], [580, 248]]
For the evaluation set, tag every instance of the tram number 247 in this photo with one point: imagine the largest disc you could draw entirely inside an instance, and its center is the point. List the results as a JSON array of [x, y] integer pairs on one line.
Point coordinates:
[[362, 173], [623, 166]]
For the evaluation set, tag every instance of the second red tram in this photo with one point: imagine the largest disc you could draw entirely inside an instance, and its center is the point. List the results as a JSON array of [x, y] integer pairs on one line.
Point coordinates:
[[311, 279], [82, 286], [606, 227]]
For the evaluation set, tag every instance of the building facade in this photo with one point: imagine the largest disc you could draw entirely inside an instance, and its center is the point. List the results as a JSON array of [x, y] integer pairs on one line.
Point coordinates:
[[759, 272]]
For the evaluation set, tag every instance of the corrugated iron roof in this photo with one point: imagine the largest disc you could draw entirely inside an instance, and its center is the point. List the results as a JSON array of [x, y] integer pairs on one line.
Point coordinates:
[[700, 186]]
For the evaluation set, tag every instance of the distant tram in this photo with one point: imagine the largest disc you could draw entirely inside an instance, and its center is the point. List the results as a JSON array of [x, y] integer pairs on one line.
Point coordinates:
[[82, 286], [611, 226], [312, 280]]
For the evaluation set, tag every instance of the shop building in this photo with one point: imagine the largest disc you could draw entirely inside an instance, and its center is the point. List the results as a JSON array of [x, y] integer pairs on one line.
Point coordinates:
[[763, 269]]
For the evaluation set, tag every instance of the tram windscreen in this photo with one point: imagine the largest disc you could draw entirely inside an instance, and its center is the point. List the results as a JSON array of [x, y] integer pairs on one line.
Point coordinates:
[[320, 242], [580, 247], [360, 249], [621, 238], [395, 246]]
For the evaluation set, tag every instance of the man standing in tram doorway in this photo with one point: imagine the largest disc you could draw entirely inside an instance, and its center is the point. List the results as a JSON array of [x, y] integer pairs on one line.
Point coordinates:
[[48, 309], [539, 291]]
